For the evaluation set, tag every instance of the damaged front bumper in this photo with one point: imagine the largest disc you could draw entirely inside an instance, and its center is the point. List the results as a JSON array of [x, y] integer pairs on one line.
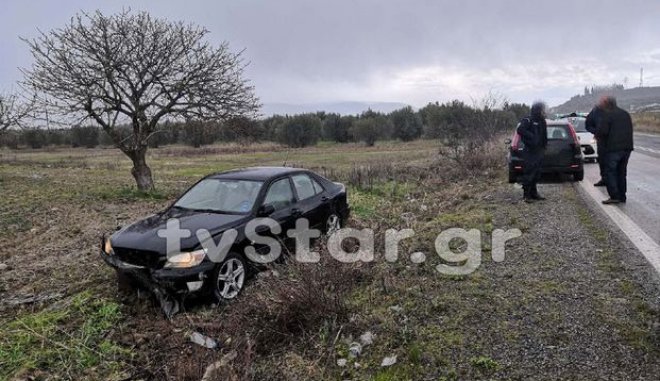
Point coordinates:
[[167, 285], [176, 281]]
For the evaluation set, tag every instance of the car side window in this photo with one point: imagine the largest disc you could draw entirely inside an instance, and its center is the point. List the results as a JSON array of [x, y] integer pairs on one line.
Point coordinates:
[[279, 194], [304, 186], [317, 187]]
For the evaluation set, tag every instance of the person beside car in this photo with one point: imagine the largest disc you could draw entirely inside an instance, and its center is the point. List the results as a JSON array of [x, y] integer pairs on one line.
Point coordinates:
[[591, 124], [615, 128], [533, 132]]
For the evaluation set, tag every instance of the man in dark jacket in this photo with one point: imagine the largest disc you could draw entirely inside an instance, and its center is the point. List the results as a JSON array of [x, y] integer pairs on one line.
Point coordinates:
[[616, 130], [591, 124], [533, 132]]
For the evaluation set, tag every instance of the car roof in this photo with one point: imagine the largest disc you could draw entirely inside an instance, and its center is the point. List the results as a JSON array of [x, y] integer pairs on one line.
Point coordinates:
[[557, 122], [255, 173]]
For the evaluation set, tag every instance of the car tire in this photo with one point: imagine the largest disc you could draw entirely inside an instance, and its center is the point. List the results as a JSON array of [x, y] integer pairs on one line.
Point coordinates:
[[229, 277], [332, 223], [512, 177], [578, 176]]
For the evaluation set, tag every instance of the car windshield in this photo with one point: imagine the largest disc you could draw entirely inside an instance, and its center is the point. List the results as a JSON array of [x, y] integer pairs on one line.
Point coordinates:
[[221, 196], [558, 132]]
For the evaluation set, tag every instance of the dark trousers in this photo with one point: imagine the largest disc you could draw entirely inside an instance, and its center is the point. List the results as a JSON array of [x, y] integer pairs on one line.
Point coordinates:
[[602, 161], [532, 161], [617, 168]]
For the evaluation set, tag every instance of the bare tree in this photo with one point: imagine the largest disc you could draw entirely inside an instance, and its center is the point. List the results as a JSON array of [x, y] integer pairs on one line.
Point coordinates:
[[12, 111], [134, 68]]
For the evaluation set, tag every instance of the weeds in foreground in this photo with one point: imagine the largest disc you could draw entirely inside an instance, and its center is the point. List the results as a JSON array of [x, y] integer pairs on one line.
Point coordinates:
[[70, 338]]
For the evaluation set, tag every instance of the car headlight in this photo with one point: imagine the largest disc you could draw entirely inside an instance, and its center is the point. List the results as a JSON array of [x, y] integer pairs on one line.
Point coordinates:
[[593, 141], [186, 260], [107, 247]]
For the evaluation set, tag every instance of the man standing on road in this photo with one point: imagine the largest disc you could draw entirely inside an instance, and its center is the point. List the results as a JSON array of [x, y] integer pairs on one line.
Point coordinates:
[[616, 130], [591, 124], [533, 132]]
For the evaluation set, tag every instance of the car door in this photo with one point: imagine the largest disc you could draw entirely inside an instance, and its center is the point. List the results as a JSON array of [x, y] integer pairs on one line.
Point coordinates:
[[313, 204], [281, 196]]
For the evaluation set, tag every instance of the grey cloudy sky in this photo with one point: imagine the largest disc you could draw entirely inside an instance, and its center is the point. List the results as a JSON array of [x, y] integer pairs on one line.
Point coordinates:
[[411, 51]]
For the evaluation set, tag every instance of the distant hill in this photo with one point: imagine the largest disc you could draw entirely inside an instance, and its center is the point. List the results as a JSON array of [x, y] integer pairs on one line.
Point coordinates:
[[637, 99], [344, 108]]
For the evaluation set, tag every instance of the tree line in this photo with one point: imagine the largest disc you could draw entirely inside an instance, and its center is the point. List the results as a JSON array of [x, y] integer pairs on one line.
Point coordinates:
[[450, 120]]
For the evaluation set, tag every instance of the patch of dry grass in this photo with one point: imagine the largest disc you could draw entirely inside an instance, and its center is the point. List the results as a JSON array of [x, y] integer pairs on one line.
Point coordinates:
[[647, 122]]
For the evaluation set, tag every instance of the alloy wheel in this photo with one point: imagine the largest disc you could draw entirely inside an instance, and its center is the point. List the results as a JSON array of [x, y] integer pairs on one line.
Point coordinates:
[[230, 278]]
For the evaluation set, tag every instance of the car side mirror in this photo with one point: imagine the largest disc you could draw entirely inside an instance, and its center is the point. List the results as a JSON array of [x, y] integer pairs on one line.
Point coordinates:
[[507, 141], [265, 210]]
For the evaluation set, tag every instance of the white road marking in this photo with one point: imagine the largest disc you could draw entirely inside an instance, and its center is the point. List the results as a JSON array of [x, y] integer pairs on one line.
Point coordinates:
[[645, 134], [648, 149], [645, 244]]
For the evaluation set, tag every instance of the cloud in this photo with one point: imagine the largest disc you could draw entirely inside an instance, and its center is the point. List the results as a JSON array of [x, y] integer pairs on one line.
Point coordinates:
[[412, 51]]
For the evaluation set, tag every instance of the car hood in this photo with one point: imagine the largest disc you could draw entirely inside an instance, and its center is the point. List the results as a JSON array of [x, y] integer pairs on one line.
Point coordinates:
[[143, 234], [585, 137]]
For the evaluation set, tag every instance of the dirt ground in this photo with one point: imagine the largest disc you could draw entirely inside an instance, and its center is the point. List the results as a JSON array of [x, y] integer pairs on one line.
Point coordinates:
[[571, 300]]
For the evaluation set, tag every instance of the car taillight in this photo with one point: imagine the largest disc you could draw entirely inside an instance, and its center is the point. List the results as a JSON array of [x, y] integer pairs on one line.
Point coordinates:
[[573, 134], [515, 141]]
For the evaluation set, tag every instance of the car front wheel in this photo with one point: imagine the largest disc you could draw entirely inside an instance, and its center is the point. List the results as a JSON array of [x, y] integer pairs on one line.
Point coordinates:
[[229, 277]]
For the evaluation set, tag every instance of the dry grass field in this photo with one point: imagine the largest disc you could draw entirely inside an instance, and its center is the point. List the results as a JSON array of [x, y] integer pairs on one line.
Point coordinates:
[[647, 122]]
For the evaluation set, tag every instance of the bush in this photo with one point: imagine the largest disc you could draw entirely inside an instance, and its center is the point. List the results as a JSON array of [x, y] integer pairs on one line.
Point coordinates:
[[242, 130], [198, 133], [370, 127], [284, 307], [299, 131], [337, 128], [406, 124], [10, 139], [87, 136], [35, 138]]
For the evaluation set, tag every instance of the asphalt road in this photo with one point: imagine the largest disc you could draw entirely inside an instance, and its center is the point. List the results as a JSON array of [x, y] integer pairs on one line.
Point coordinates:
[[648, 144], [642, 210]]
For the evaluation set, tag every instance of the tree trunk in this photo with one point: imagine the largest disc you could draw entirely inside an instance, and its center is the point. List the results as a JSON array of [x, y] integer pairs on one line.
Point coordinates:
[[141, 172]]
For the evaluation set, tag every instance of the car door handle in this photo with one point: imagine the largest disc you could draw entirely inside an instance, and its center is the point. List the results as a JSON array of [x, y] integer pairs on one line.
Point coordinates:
[[325, 198], [296, 212]]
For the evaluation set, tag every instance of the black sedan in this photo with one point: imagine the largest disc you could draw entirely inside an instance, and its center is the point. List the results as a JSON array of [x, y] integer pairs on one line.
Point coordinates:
[[563, 154], [218, 203]]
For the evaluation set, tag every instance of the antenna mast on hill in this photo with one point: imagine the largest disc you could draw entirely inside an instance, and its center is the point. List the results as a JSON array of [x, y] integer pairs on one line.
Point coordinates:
[[641, 77]]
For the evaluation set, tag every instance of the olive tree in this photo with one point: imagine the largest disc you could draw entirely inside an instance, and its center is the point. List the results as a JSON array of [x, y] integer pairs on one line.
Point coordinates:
[[136, 69], [406, 124]]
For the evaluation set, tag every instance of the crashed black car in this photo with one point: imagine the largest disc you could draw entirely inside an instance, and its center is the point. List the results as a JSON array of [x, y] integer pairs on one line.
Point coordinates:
[[217, 203]]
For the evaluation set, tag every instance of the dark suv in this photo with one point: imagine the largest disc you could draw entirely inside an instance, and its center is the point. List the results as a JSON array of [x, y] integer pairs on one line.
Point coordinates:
[[563, 154]]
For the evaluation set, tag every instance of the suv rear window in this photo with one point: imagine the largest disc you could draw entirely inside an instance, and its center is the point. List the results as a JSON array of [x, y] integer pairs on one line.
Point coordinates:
[[558, 132]]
